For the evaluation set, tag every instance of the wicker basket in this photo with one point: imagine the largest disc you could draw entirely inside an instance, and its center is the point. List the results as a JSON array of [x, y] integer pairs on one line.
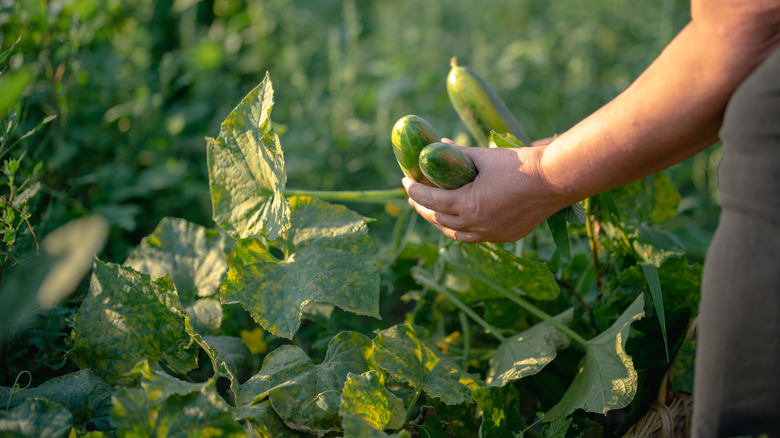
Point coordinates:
[[670, 415]]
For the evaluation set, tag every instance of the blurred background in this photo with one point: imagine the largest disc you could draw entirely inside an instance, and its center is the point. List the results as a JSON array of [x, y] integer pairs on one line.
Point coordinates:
[[105, 104]]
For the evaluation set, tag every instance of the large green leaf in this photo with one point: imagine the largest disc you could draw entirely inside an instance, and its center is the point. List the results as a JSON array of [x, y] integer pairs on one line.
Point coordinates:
[[365, 396], [125, 317], [190, 254], [528, 352], [326, 256], [469, 262], [607, 379], [87, 397], [500, 409], [308, 395], [169, 407], [407, 354], [246, 169], [36, 418]]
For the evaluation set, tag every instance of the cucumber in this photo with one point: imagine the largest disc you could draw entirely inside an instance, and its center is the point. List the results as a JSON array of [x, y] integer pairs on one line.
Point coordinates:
[[480, 108], [410, 135], [446, 166]]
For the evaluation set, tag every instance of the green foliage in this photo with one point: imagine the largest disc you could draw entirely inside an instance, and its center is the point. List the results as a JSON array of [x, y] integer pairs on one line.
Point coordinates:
[[244, 307]]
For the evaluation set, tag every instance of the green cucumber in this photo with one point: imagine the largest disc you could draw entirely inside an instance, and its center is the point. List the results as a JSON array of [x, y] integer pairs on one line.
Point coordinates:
[[446, 166], [480, 108], [410, 135]]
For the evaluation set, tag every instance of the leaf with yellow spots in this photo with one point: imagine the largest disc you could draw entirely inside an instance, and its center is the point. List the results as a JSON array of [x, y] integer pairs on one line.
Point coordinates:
[[126, 317], [406, 353], [326, 256], [246, 170], [500, 407], [366, 397], [307, 396]]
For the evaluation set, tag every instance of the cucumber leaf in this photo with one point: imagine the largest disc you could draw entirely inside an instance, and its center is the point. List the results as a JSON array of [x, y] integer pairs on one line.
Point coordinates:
[[471, 261], [366, 397], [308, 395], [607, 379], [36, 418], [528, 352], [406, 353], [326, 256], [560, 234], [263, 420], [500, 406], [109, 336], [167, 406], [190, 254], [246, 170]]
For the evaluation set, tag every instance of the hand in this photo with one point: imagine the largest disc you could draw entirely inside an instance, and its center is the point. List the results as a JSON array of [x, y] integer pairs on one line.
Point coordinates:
[[507, 200]]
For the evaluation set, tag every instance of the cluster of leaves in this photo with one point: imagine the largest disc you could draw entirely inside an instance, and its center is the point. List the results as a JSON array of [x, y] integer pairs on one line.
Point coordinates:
[[469, 340]]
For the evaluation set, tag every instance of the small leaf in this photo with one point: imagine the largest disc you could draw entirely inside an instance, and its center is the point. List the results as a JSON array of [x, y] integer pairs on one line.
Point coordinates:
[[528, 352], [500, 407], [560, 234], [405, 352], [607, 379], [574, 214], [365, 396], [36, 418], [684, 367], [109, 337], [190, 254], [246, 170], [328, 258], [305, 395], [505, 140], [492, 261], [654, 283]]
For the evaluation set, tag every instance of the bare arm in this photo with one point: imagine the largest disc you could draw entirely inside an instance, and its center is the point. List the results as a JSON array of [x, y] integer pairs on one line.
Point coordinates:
[[671, 112]]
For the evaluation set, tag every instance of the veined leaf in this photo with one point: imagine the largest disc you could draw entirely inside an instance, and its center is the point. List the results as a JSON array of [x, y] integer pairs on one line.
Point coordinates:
[[306, 395], [653, 199], [190, 254], [125, 317], [87, 397], [328, 257], [500, 407], [366, 397], [405, 352], [246, 170], [36, 418], [607, 379], [528, 352], [264, 421], [492, 261], [166, 406], [560, 234]]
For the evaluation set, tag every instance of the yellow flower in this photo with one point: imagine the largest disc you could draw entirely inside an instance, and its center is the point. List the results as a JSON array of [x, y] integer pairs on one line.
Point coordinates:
[[254, 340]]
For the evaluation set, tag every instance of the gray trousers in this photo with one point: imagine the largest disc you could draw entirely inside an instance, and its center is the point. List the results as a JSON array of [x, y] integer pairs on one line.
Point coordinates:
[[737, 383]]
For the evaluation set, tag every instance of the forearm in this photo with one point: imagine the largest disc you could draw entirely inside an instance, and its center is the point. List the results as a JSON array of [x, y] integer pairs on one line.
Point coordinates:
[[671, 112]]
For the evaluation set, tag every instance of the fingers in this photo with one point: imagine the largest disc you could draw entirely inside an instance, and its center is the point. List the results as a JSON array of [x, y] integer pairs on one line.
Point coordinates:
[[431, 198]]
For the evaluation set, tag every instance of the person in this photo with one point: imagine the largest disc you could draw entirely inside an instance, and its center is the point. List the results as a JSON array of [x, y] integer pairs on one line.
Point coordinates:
[[718, 79]]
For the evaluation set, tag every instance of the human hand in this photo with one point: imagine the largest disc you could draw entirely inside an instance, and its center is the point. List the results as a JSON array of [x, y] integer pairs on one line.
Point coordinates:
[[508, 199]]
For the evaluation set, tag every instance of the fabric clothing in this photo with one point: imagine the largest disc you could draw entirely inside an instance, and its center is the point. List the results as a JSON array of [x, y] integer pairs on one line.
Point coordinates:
[[737, 380]]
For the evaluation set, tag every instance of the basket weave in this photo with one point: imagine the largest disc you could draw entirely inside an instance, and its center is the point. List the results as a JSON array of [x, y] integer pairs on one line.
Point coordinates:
[[670, 415]]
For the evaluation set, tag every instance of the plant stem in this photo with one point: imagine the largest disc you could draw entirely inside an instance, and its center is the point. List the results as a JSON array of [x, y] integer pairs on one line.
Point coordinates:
[[462, 306], [539, 313], [464, 323], [368, 196], [413, 403]]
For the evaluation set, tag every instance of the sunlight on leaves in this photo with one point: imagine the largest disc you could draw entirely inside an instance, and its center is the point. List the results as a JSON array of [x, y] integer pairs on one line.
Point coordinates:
[[36, 418], [365, 396], [500, 407], [328, 257], [607, 379], [528, 352], [408, 355], [246, 170]]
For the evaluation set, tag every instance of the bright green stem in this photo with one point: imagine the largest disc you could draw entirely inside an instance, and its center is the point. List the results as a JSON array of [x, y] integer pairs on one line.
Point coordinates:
[[369, 196], [539, 313], [462, 306]]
